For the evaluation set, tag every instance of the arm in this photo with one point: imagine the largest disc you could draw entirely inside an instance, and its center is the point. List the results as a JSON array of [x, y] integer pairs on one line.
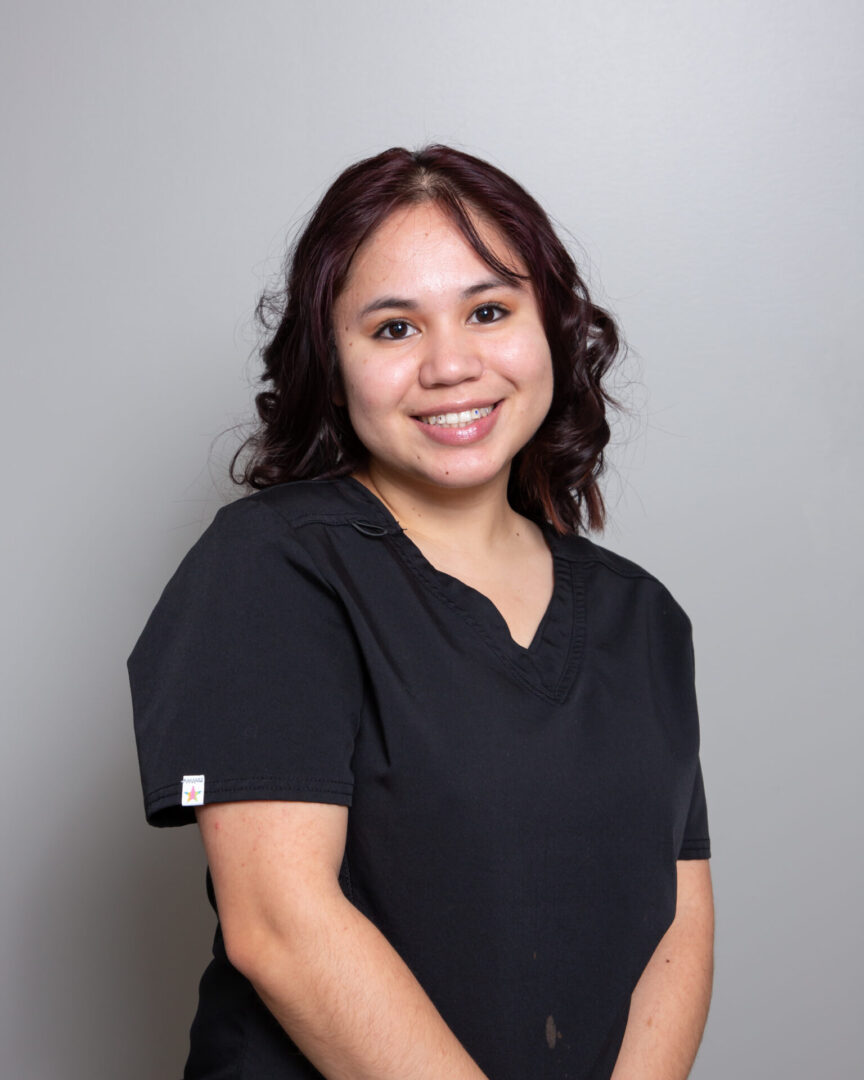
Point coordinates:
[[669, 1005], [327, 974]]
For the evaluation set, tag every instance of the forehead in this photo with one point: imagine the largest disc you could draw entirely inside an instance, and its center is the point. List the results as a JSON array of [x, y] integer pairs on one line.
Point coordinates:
[[421, 246]]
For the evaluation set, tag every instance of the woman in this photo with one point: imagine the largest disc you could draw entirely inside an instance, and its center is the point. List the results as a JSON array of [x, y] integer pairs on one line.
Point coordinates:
[[442, 749]]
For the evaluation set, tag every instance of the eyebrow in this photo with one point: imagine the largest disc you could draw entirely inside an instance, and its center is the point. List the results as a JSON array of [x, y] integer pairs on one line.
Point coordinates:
[[383, 302]]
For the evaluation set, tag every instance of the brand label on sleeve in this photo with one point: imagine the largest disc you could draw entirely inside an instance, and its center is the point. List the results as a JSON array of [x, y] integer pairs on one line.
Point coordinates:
[[193, 791]]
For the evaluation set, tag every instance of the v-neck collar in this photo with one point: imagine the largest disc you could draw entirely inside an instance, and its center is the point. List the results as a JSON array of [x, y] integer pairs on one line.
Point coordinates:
[[548, 666]]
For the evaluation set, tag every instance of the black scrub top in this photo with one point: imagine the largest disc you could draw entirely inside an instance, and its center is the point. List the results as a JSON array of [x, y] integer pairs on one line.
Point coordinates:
[[516, 813]]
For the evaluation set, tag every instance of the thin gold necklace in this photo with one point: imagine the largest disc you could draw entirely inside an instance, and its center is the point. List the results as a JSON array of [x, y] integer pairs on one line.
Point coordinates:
[[377, 492], [417, 533]]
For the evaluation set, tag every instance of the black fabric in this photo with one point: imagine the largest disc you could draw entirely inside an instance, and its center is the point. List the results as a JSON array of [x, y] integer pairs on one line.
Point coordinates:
[[516, 813]]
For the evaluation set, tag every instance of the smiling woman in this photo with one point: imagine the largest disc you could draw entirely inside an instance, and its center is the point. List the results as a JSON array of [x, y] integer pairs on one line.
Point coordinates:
[[306, 430], [443, 749]]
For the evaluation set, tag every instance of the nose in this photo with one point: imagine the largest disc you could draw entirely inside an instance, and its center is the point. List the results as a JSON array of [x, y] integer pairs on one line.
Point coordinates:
[[450, 357]]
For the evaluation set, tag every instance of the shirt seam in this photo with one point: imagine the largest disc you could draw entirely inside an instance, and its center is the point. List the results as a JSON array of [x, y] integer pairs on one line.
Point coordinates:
[[577, 639], [233, 783]]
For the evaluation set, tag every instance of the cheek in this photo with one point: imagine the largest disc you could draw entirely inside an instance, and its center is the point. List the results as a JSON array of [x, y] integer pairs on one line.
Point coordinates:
[[371, 388], [528, 362]]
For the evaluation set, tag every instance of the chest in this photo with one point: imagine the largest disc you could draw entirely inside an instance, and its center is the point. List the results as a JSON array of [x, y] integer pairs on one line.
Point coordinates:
[[459, 710]]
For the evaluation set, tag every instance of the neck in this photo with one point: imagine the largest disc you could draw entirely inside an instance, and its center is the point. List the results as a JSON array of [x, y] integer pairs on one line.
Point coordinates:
[[472, 519]]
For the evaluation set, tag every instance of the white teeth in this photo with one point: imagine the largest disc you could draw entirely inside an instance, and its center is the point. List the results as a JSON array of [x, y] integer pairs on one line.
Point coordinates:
[[452, 419]]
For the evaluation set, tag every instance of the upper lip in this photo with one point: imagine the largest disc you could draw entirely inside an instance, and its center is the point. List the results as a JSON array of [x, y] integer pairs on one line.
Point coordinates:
[[456, 407]]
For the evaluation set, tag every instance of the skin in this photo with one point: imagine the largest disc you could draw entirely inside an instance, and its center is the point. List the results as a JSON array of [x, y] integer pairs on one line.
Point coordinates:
[[326, 973]]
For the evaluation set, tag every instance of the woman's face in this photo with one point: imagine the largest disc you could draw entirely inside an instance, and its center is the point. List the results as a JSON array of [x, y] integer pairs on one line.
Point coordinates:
[[445, 367]]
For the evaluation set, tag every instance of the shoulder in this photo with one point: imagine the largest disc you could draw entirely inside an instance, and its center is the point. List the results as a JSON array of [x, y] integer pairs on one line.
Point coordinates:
[[297, 528], [253, 562], [585, 550], [261, 535], [299, 503], [293, 504], [276, 516], [629, 576]]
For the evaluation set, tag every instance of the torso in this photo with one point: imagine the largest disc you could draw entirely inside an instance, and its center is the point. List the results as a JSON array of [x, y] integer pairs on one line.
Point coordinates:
[[516, 811]]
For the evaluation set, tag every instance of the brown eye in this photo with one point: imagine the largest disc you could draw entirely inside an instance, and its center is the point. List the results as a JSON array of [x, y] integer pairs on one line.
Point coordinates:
[[489, 313], [395, 330]]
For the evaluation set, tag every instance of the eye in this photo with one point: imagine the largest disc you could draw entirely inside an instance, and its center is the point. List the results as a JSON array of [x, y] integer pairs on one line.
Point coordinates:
[[489, 313], [395, 330]]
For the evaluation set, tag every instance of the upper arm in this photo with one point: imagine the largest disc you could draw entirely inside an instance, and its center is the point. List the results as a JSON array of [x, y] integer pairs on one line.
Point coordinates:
[[273, 863], [694, 910]]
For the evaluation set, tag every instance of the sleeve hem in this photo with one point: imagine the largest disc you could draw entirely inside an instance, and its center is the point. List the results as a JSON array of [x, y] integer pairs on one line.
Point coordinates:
[[162, 807], [695, 849]]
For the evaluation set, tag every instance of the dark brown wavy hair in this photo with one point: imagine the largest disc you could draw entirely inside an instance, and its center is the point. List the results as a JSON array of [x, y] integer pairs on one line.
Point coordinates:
[[303, 434]]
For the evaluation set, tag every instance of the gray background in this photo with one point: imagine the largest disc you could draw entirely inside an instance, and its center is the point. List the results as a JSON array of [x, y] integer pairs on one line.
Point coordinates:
[[707, 156]]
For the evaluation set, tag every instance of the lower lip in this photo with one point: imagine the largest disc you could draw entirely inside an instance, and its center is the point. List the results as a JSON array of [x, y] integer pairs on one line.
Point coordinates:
[[459, 436]]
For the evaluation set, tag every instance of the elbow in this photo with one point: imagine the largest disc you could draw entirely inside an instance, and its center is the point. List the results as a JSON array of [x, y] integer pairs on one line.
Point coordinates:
[[259, 950], [246, 948], [276, 948]]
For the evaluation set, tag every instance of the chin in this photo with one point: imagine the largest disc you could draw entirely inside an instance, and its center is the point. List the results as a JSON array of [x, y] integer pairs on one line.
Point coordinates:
[[466, 478]]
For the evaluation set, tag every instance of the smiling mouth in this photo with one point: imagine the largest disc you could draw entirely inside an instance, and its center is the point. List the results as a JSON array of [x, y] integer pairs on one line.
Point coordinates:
[[456, 419]]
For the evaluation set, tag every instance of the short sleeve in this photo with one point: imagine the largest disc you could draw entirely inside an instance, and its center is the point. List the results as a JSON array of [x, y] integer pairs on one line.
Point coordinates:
[[696, 843], [674, 666], [246, 680]]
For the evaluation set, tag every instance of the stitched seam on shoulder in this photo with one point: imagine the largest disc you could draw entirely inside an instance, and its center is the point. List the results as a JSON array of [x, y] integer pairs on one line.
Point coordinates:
[[304, 519], [621, 571], [313, 517], [595, 554]]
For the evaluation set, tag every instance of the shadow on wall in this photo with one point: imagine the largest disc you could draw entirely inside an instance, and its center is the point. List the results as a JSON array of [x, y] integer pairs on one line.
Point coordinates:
[[119, 917]]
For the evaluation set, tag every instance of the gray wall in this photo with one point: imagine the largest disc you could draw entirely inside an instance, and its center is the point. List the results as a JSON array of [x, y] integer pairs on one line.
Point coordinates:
[[708, 156]]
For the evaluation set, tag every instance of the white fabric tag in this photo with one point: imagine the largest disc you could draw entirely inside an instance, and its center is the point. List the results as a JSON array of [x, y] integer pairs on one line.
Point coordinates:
[[193, 791]]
